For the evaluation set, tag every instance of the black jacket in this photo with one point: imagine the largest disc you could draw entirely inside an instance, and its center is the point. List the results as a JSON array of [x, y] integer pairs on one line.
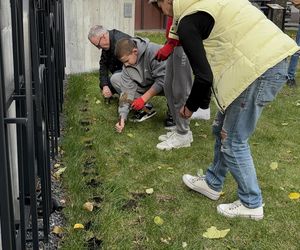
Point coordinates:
[[108, 61]]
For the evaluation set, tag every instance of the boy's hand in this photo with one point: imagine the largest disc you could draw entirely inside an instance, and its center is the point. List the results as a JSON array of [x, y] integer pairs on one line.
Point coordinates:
[[138, 104], [120, 125], [185, 112], [163, 53], [106, 92]]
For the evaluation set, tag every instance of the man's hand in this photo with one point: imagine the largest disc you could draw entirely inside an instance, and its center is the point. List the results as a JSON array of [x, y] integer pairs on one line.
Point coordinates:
[[138, 104], [185, 112], [106, 92], [163, 53], [120, 125]]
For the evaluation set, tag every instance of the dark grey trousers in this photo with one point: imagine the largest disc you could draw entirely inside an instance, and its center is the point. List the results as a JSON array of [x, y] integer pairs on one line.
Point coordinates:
[[178, 84]]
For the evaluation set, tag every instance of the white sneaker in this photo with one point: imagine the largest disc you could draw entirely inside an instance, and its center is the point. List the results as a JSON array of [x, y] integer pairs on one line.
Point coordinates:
[[201, 114], [237, 209], [176, 141], [166, 136], [198, 183]]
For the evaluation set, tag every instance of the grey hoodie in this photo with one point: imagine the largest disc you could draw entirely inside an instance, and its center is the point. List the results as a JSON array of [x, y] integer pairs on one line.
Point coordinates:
[[137, 79]]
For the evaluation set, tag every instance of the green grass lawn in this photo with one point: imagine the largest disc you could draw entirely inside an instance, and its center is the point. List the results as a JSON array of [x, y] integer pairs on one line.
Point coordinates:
[[116, 169]]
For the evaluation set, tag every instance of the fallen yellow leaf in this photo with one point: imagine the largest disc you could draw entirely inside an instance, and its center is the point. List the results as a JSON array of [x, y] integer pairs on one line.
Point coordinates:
[[166, 241], [88, 206], [57, 230], [158, 221], [184, 244], [130, 135], [200, 172], [56, 165], [58, 173], [294, 196], [98, 102], [274, 165], [78, 226], [149, 190], [214, 233]]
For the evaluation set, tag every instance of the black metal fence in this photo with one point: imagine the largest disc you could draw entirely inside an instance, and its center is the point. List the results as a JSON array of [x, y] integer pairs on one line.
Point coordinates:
[[36, 96]]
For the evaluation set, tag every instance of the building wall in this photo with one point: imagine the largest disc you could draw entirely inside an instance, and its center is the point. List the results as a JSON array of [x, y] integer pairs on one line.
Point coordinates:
[[148, 17], [80, 16]]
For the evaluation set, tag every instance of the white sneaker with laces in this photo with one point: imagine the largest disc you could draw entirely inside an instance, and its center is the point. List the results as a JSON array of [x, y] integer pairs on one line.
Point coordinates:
[[198, 184], [175, 140], [166, 136], [237, 209], [201, 114]]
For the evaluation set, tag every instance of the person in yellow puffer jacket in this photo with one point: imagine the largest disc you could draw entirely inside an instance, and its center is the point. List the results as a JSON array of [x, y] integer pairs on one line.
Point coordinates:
[[240, 57]]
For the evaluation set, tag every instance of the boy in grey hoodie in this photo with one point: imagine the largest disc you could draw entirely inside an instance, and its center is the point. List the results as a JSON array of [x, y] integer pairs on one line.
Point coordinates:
[[142, 76]]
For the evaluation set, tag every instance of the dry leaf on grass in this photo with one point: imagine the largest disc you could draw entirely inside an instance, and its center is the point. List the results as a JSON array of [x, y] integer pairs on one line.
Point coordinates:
[[165, 240], [294, 196], [158, 221], [56, 165], [78, 226], [88, 206], [214, 233], [57, 230], [274, 165], [149, 190], [59, 172]]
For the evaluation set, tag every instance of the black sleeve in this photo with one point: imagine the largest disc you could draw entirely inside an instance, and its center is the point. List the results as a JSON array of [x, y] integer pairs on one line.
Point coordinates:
[[192, 30], [109, 63], [103, 70]]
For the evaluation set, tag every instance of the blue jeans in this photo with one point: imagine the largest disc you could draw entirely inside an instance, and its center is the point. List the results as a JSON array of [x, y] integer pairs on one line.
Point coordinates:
[[232, 130], [294, 59]]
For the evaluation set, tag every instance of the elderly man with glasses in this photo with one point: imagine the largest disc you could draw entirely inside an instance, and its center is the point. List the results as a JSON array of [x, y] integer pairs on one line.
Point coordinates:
[[105, 39]]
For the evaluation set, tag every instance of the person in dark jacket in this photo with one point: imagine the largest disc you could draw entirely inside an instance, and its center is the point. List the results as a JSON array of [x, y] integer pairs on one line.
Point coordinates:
[[106, 40]]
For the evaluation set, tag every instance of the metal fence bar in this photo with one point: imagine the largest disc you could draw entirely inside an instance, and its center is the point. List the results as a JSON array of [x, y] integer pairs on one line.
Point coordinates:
[[38, 98], [6, 205], [18, 52]]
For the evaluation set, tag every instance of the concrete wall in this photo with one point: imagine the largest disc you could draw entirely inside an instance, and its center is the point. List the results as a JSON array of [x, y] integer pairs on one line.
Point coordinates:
[[80, 16]]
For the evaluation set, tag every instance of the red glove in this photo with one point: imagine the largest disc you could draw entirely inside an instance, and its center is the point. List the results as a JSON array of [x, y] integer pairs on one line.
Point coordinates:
[[138, 104], [164, 52]]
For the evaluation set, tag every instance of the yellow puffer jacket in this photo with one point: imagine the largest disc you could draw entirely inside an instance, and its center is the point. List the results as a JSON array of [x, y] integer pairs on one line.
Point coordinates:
[[242, 45]]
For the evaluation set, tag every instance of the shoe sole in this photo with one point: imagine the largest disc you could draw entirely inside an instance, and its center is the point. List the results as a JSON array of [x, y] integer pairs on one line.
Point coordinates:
[[206, 193], [167, 149], [253, 217], [170, 128], [144, 118], [166, 138]]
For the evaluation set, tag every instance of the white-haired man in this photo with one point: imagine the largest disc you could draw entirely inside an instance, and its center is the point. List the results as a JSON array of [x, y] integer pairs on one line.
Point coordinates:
[[106, 40]]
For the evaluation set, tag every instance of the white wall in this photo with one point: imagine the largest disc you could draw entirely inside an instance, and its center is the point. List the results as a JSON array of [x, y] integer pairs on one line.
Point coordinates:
[[80, 16]]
